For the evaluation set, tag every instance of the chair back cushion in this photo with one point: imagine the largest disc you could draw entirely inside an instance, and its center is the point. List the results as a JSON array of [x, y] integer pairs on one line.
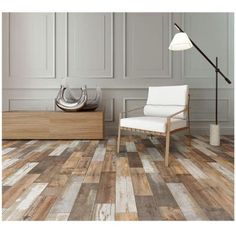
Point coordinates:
[[166, 100]]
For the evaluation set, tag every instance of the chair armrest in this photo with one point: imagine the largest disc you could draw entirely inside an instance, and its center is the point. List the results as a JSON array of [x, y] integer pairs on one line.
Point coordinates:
[[124, 112], [175, 114]]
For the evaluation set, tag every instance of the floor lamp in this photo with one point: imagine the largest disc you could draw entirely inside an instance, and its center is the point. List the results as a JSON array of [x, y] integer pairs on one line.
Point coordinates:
[[180, 42]]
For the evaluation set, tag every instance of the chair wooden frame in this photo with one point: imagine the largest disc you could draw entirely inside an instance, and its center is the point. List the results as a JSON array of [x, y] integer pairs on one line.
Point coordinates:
[[167, 134]]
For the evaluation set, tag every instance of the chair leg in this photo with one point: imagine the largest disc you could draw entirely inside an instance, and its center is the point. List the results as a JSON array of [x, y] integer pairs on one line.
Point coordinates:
[[167, 149], [118, 140]]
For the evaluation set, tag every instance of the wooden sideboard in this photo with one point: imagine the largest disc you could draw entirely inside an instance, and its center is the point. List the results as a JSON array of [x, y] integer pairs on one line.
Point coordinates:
[[53, 125]]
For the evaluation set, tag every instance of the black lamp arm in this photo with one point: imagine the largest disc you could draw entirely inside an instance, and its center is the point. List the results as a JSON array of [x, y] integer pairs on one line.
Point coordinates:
[[205, 56]]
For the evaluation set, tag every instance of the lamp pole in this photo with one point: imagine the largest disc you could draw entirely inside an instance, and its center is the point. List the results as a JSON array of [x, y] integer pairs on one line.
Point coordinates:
[[217, 70]]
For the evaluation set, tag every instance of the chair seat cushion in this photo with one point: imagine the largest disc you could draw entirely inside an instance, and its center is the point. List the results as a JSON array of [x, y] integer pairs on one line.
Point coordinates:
[[150, 123]]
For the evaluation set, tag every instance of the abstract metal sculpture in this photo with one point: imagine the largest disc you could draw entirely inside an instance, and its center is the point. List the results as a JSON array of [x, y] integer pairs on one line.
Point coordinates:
[[67, 102]]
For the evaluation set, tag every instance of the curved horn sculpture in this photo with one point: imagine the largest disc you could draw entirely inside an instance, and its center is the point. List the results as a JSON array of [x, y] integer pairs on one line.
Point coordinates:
[[71, 105], [93, 104]]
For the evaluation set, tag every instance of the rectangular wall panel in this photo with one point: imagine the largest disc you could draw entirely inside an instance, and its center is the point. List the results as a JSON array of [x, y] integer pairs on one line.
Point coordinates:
[[146, 40], [90, 45], [133, 103], [211, 33], [109, 109], [31, 45], [204, 109], [31, 105]]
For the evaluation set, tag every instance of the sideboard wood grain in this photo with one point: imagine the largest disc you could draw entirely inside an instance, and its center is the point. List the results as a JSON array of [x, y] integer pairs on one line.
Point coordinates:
[[53, 125]]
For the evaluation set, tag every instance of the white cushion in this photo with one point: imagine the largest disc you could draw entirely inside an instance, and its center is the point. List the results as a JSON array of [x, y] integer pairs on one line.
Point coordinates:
[[164, 111], [151, 123], [168, 95]]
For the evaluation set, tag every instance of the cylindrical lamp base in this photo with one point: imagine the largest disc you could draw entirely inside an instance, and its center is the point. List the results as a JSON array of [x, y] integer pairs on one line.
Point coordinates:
[[215, 135]]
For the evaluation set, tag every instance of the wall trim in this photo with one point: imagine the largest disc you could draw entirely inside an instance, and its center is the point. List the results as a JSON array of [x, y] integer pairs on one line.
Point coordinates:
[[111, 76], [112, 105], [125, 99], [53, 73], [30, 99], [169, 75], [211, 120]]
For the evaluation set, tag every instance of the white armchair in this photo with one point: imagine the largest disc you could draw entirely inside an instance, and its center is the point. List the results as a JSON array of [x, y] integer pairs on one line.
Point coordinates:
[[166, 111]]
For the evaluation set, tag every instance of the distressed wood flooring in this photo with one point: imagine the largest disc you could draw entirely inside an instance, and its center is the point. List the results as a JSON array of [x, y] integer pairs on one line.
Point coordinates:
[[87, 180]]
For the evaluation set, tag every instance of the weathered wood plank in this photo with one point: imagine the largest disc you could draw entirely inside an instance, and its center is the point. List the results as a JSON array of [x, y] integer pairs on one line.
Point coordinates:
[[17, 210], [224, 171], [10, 196], [140, 182], [19, 174], [161, 192], [109, 164], [31, 142], [81, 167], [130, 147], [104, 212], [59, 150], [106, 190], [125, 201], [8, 162], [7, 150], [134, 160], [204, 150], [40, 208], [187, 204], [99, 154], [155, 154], [122, 167], [126, 216], [94, 172], [72, 161], [192, 169], [58, 180], [147, 208], [66, 201], [148, 164], [170, 213], [57, 217], [168, 174], [84, 203]]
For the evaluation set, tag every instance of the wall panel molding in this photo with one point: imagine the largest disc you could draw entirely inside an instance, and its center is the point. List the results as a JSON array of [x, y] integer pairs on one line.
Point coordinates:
[[98, 39], [31, 54], [200, 112], [109, 109], [127, 99], [165, 62], [31, 104]]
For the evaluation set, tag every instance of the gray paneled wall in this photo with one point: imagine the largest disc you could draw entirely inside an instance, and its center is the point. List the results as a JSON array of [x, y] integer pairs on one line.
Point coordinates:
[[123, 53]]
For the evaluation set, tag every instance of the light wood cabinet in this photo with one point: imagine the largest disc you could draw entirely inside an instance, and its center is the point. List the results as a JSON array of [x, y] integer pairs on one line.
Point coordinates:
[[53, 125]]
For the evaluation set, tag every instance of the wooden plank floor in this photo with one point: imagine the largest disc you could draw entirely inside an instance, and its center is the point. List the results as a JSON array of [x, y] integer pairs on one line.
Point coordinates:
[[87, 180]]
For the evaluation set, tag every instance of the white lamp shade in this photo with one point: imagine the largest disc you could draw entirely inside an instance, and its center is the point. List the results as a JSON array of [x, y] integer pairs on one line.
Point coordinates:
[[180, 42]]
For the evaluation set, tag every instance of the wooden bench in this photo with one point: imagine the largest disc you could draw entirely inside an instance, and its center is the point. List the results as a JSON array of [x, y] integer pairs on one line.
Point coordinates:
[[53, 125]]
